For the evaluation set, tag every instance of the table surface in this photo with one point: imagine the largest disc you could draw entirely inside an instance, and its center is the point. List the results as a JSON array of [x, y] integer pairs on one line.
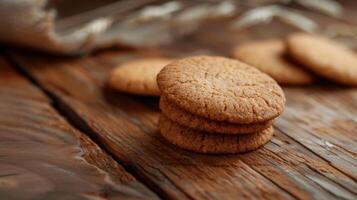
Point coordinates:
[[65, 135]]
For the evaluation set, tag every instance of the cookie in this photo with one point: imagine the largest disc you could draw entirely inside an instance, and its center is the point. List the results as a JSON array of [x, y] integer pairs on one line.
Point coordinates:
[[324, 56], [269, 57], [177, 115], [221, 89], [202, 142], [138, 76]]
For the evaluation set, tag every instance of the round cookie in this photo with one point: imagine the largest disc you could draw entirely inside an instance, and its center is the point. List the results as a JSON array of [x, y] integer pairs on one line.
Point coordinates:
[[138, 76], [269, 57], [324, 56], [177, 115], [211, 143], [221, 89]]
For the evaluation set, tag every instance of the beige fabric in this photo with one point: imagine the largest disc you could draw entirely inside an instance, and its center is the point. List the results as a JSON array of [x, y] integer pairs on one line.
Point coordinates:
[[28, 23]]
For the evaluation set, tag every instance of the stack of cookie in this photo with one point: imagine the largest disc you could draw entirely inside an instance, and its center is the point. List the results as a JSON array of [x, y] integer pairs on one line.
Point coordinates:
[[217, 105]]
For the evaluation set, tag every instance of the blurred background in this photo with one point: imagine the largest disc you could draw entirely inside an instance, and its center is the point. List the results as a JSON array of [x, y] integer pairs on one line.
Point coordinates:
[[75, 28]]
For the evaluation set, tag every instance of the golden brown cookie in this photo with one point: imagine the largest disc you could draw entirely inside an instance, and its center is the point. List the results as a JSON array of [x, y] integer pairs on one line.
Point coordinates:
[[138, 76], [221, 89], [325, 57], [269, 57], [201, 142], [177, 115]]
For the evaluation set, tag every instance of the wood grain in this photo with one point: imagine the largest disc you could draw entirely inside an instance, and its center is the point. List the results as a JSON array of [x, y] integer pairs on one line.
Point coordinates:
[[135, 142], [327, 124], [126, 126], [43, 157], [312, 155]]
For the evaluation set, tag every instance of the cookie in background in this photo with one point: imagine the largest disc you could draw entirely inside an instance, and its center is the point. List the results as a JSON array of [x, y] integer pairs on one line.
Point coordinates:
[[325, 57], [269, 56], [138, 76]]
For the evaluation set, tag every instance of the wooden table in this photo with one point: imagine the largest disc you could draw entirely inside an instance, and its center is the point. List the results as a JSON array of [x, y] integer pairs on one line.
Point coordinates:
[[65, 135]]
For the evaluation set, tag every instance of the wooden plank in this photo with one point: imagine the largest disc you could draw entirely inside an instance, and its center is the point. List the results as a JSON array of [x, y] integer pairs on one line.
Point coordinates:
[[327, 124], [126, 126], [43, 157], [342, 98], [322, 112]]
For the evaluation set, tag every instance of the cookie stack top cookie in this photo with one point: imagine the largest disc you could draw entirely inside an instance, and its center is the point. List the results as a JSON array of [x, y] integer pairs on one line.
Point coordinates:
[[221, 89]]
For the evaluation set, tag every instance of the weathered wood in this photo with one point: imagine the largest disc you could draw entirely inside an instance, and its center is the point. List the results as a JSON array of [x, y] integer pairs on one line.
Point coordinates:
[[342, 99], [327, 110], [131, 135], [326, 124], [43, 157], [312, 155], [126, 126]]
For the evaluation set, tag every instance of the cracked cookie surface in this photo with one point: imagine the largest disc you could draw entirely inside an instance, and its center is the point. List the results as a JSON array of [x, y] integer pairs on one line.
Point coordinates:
[[209, 142], [177, 115], [324, 56], [221, 89], [138, 76], [269, 57]]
